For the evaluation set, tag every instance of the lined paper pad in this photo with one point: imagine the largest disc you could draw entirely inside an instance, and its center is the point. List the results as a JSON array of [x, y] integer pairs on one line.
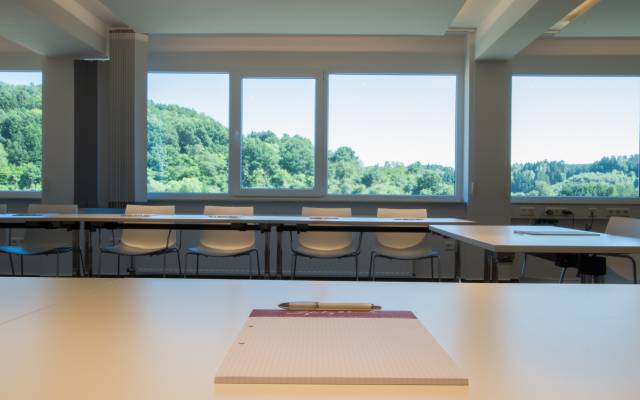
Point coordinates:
[[337, 347]]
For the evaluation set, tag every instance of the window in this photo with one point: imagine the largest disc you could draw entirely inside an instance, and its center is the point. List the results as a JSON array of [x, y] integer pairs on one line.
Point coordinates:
[[575, 136], [278, 130], [392, 135], [187, 133], [20, 131]]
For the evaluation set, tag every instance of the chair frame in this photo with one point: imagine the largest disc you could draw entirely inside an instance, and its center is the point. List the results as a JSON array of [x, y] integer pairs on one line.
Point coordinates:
[[247, 253], [431, 256]]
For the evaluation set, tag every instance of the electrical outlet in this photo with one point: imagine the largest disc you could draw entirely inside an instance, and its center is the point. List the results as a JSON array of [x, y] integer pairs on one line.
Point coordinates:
[[555, 211], [618, 212], [450, 245], [527, 211]]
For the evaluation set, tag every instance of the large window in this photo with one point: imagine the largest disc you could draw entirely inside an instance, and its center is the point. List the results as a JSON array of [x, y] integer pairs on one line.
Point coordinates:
[[575, 136], [278, 130], [20, 131], [392, 135], [188, 137]]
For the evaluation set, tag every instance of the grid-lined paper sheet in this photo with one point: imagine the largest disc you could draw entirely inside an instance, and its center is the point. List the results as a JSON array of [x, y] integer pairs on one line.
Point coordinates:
[[321, 347]]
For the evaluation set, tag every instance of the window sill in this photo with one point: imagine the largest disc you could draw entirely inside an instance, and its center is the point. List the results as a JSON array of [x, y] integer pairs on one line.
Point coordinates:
[[17, 195], [575, 200]]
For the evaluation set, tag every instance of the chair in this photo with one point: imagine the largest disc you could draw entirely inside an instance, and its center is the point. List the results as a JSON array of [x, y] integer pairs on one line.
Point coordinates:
[[43, 242], [218, 243], [143, 242], [325, 245], [402, 246], [624, 265]]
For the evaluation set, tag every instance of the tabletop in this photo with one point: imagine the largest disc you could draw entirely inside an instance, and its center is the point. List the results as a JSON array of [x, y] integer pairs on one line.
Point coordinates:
[[550, 239], [228, 219], [164, 339]]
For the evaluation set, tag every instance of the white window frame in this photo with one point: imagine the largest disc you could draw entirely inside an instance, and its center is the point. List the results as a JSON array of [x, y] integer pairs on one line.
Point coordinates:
[[568, 200], [29, 194]]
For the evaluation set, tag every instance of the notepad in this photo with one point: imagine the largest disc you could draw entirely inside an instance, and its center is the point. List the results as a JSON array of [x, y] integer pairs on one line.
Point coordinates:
[[337, 347], [556, 233]]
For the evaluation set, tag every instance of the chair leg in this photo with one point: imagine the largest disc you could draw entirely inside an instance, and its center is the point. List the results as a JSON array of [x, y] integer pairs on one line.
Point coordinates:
[[13, 272], [564, 272], [431, 259], [371, 261], [524, 266], [293, 268], [21, 265], [258, 262], [357, 272], [57, 264], [118, 264], [439, 271], [179, 263]]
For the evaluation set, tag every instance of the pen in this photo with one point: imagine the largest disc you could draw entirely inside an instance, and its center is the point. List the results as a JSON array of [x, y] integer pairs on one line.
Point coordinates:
[[322, 306]]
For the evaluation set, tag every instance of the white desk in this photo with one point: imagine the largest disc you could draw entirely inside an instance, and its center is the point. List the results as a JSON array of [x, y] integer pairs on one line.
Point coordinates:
[[497, 239], [155, 339], [263, 223]]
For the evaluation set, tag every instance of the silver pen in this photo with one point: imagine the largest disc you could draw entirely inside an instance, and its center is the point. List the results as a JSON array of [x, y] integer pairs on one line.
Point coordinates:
[[327, 306]]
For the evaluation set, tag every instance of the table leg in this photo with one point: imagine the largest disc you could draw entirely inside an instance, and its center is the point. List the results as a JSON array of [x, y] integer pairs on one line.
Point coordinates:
[[494, 267], [279, 253], [75, 252], [88, 250], [487, 267], [267, 251], [457, 266]]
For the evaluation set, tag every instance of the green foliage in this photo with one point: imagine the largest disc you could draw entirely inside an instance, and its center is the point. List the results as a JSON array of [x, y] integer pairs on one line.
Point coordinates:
[[20, 137], [615, 176]]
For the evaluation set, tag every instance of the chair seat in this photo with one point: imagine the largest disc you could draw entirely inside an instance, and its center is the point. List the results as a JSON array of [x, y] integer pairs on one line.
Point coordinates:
[[410, 253], [34, 251], [213, 252], [315, 253], [126, 250]]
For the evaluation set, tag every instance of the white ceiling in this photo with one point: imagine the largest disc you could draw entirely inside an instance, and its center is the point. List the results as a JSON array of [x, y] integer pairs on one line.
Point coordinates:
[[607, 19], [306, 17]]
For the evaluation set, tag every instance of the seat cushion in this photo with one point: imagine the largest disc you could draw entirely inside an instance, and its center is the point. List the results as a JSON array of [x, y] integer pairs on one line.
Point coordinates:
[[410, 253], [33, 251], [126, 250], [315, 253], [213, 252]]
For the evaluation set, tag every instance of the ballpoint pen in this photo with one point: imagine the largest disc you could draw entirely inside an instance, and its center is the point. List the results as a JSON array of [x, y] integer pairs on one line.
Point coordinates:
[[326, 306]]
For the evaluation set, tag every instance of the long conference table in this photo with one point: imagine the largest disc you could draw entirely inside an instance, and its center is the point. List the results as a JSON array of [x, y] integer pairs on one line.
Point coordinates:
[[90, 222], [164, 339]]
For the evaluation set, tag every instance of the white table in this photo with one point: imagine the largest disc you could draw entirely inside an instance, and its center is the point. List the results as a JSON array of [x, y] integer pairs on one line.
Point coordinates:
[[262, 223], [157, 339], [502, 239]]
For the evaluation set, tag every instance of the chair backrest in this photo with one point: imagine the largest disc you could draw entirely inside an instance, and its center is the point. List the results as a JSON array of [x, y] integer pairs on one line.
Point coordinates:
[[49, 238], [3, 231], [401, 240], [621, 226], [227, 240], [326, 240], [148, 238]]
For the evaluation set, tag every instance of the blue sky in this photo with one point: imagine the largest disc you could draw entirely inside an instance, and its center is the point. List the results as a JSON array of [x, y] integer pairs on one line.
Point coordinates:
[[21, 77], [412, 118]]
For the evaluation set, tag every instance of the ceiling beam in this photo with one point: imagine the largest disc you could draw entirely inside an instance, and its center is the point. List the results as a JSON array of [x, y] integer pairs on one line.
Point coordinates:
[[53, 27], [513, 24]]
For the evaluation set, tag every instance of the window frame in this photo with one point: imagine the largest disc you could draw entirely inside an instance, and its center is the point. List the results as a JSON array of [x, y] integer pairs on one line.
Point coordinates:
[[320, 191], [30, 194], [565, 200]]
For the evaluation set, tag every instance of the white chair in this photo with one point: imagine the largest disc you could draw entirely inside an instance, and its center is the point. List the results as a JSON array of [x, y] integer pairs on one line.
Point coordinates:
[[143, 242], [402, 246], [325, 245], [622, 264], [43, 242], [223, 243]]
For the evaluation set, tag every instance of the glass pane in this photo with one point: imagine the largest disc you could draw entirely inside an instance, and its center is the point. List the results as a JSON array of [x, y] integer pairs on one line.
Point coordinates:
[[575, 136], [187, 133], [278, 129], [20, 131], [392, 135]]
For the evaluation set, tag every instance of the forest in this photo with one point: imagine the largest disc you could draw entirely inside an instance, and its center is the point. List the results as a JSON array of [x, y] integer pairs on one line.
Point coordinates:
[[188, 151]]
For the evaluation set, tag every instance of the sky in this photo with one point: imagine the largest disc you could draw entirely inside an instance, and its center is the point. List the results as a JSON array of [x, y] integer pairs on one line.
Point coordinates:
[[410, 118], [575, 119], [21, 77]]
